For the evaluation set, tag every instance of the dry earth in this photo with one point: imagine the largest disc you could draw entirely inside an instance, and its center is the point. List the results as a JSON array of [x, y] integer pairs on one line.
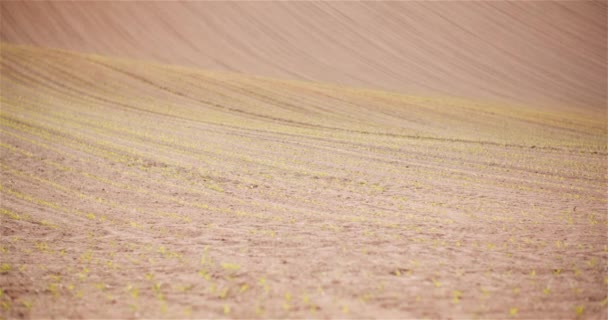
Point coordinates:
[[137, 189], [159, 191], [537, 52]]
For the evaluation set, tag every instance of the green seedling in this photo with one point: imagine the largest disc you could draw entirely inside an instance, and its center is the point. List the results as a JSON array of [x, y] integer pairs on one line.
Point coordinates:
[[5, 268]]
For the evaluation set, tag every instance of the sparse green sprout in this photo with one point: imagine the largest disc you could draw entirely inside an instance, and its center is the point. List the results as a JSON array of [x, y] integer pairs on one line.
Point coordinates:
[[164, 308], [53, 289], [133, 291], [224, 293], [230, 266], [206, 275], [5, 268], [436, 283], [27, 304], [457, 295]]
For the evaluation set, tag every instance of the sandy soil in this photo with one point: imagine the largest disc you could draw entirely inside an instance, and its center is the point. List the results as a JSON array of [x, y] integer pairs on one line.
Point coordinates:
[[133, 189], [174, 175], [537, 52]]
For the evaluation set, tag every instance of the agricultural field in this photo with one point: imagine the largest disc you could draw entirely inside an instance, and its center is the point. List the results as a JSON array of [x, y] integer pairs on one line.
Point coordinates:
[[134, 189]]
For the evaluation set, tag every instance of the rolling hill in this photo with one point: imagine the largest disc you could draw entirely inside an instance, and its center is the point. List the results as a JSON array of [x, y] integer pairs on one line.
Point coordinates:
[[540, 53], [303, 160], [138, 189]]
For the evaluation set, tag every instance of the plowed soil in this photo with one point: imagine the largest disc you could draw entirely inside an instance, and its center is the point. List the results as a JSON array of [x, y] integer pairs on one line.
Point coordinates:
[[132, 188]]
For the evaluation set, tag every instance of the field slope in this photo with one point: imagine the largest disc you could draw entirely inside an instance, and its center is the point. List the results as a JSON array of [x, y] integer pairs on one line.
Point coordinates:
[[132, 189], [536, 52]]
